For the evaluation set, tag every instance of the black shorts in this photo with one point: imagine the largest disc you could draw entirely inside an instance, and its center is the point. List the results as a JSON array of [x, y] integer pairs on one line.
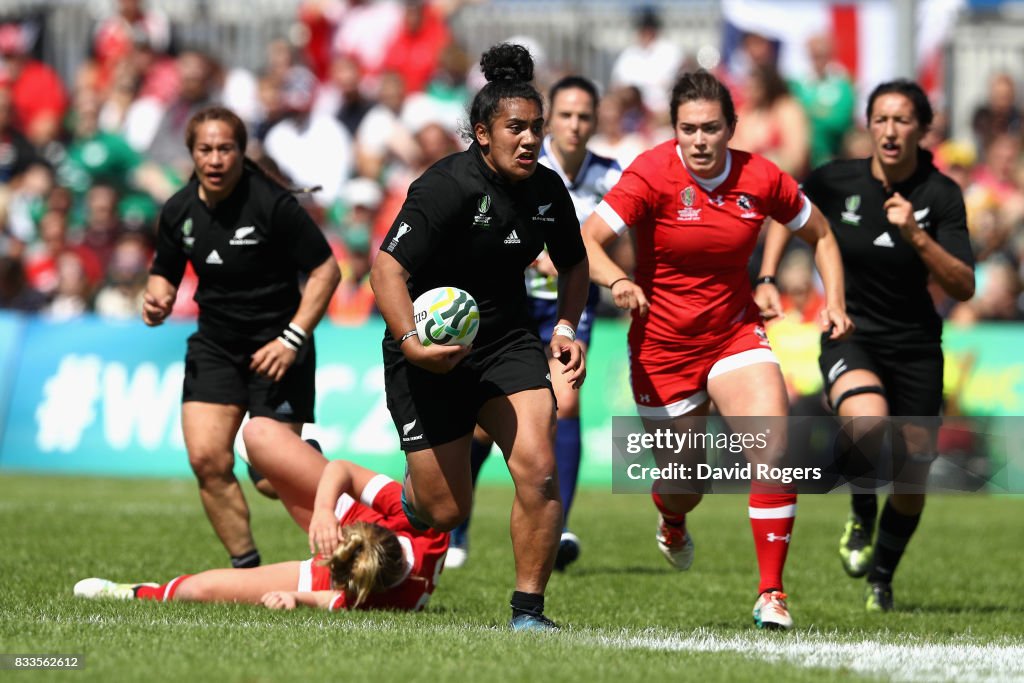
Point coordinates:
[[430, 409], [911, 376], [219, 373]]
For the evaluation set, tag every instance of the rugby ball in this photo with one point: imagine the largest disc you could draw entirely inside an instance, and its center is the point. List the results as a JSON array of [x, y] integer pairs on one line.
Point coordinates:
[[447, 316]]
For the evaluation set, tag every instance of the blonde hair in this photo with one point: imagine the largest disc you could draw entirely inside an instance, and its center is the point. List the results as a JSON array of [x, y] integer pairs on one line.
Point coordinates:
[[369, 560]]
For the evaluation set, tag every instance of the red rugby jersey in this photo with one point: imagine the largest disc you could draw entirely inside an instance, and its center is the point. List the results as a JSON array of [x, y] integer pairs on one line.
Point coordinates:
[[693, 244], [381, 503]]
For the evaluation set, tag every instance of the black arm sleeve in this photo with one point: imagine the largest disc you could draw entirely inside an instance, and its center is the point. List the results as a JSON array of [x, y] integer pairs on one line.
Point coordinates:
[[302, 238], [169, 261], [563, 238], [431, 208], [951, 226]]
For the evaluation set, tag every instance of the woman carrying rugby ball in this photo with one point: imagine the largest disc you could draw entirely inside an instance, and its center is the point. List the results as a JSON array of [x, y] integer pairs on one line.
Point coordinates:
[[475, 220]]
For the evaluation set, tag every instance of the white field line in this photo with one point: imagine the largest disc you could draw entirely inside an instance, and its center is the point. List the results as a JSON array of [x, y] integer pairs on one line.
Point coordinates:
[[968, 661], [898, 662]]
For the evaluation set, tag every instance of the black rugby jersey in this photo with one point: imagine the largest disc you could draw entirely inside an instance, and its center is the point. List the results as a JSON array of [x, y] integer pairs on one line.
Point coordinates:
[[463, 225], [886, 281], [248, 252]]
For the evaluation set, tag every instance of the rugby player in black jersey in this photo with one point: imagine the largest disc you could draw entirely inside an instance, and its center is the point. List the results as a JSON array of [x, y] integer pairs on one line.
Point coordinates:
[[899, 223], [475, 220], [249, 242]]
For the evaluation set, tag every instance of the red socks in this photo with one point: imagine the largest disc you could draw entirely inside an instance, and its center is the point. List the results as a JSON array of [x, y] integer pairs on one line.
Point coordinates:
[[772, 510], [162, 593], [673, 518]]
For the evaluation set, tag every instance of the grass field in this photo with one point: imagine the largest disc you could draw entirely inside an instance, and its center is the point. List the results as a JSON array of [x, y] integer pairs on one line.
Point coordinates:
[[959, 617]]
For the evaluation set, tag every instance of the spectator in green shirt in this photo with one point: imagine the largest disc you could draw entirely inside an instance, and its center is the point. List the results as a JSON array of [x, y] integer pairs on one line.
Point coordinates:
[[95, 156], [828, 97]]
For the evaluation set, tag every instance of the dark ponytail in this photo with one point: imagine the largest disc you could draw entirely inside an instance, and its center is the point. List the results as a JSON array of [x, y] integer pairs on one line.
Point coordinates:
[[508, 69]]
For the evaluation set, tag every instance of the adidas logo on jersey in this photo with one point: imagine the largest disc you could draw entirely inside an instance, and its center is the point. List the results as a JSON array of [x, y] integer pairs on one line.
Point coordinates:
[[884, 240], [285, 409], [512, 238], [214, 258]]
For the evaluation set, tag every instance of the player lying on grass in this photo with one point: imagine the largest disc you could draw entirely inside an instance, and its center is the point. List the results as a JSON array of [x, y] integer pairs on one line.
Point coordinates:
[[367, 554]]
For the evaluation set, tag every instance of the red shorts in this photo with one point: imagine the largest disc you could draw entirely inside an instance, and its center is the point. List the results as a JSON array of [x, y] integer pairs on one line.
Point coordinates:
[[673, 381]]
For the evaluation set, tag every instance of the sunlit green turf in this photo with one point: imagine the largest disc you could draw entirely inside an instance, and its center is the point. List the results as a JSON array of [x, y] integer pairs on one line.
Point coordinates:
[[629, 616]]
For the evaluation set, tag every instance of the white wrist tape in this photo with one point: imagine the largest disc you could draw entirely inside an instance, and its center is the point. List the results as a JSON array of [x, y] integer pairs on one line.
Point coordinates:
[[565, 331]]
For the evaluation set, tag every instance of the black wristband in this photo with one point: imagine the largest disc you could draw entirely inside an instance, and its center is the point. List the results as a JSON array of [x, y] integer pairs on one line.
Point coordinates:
[[612, 284], [765, 280]]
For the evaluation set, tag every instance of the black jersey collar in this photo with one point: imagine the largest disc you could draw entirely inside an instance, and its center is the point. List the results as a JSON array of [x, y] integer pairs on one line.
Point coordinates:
[[925, 165], [239, 194]]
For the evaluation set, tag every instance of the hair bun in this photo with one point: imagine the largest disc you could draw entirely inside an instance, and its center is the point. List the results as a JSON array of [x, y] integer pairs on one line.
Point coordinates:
[[507, 62]]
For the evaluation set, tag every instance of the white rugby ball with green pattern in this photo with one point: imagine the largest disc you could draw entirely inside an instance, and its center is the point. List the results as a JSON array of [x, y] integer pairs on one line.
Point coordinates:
[[447, 316]]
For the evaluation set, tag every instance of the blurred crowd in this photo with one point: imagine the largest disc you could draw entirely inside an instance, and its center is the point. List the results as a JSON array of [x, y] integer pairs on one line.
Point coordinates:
[[361, 99]]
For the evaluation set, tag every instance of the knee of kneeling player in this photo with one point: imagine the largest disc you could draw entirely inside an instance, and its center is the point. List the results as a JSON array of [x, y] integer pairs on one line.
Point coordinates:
[[260, 430], [444, 515]]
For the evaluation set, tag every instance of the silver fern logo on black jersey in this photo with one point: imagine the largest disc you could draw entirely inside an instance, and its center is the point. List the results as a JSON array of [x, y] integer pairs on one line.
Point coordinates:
[[242, 238], [850, 215], [541, 210], [921, 217], [403, 229]]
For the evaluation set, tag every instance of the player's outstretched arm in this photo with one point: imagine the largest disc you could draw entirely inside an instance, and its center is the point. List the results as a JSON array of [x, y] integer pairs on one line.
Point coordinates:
[[573, 289], [597, 236], [320, 286], [338, 477], [817, 233], [275, 357], [766, 293], [292, 599]]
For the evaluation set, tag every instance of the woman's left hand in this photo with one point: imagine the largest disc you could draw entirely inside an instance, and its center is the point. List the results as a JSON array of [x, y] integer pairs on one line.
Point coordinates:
[[272, 360], [278, 600], [570, 354], [324, 532], [837, 321]]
